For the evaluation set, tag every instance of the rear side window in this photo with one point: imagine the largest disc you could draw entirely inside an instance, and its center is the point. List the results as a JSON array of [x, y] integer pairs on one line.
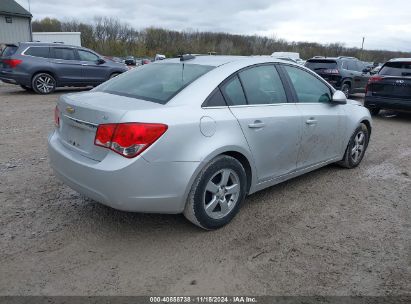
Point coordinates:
[[64, 53], [38, 51], [319, 65], [158, 82], [263, 85], [9, 51], [309, 88], [233, 92], [216, 99], [396, 69]]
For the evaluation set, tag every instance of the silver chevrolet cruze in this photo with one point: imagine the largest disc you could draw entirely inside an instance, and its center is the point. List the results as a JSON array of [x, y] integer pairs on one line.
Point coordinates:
[[195, 135]]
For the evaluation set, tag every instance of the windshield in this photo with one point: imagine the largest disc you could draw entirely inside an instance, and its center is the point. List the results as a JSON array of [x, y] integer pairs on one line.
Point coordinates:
[[155, 82], [318, 65], [9, 51], [396, 69]]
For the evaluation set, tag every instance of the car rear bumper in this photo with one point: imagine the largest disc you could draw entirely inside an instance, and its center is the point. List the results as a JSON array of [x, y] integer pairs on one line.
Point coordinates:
[[125, 184], [387, 103], [15, 78]]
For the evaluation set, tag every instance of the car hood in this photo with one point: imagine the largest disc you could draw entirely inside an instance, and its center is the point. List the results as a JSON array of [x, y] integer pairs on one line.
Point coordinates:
[[354, 102]]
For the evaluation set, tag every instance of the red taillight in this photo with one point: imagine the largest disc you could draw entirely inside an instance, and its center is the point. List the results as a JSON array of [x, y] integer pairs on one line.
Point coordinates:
[[331, 71], [57, 117], [373, 79], [104, 135], [128, 139], [12, 62]]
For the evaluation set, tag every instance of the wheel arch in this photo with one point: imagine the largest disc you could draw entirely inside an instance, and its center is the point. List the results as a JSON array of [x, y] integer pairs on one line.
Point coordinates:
[[243, 156], [44, 71]]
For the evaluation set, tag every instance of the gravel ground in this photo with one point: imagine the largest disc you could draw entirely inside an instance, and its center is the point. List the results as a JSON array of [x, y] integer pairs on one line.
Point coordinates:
[[331, 232]]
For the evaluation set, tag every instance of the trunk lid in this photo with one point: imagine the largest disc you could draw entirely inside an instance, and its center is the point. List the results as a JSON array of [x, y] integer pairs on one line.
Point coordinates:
[[81, 113]]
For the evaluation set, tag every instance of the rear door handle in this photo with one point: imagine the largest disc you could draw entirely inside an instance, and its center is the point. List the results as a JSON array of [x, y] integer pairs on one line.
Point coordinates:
[[311, 122], [256, 125]]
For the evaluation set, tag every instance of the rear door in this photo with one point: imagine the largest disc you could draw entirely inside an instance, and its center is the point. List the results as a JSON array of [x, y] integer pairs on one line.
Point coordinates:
[[92, 71], [270, 124], [66, 65], [323, 122]]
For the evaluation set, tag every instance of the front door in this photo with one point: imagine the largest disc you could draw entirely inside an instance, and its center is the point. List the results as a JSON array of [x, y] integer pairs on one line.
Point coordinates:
[[323, 122], [93, 72], [271, 126]]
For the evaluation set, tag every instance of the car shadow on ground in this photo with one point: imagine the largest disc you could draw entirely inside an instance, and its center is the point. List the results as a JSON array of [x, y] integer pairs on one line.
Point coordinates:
[[111, 219], [58, 91], [394, 115]]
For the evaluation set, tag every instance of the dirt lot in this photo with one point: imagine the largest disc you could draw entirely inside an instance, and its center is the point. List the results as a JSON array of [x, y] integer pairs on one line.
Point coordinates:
[[331, 232]]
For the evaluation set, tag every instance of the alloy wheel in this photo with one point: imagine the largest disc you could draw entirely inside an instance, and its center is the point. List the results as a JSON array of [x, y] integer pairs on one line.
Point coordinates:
[[45, 84], [221, 194], [359, 146]]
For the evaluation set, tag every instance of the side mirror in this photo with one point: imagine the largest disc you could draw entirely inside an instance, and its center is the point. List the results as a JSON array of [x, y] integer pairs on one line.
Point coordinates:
[[100, 61], [339, 98]]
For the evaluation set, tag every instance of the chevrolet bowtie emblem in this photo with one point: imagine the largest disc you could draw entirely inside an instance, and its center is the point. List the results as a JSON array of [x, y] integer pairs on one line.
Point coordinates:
[[70, 110]]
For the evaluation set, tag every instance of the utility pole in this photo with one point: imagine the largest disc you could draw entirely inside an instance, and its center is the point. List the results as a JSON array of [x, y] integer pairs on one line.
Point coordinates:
[[362, 48], [29, 6]]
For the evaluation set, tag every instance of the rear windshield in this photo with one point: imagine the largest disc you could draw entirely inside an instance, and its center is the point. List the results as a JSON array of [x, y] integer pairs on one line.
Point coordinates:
[[9, 51], [318, 65], [396, 69], [155, 82]]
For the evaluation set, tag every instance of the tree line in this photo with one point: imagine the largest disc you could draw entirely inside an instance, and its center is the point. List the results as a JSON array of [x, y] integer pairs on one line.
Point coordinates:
[[111, 37]]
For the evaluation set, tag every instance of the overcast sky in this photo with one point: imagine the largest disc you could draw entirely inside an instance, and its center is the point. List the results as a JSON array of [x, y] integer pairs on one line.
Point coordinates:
[[386, 24]]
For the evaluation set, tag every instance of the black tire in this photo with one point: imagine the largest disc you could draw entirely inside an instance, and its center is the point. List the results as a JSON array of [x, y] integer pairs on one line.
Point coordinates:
[[374, 111], [219, 211], [346, 89], [28, 89], [43, 83], [349, 160], [114, 75]]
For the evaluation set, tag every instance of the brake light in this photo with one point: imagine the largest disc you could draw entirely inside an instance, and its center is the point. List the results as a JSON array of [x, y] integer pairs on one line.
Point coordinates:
[[57, 117], [332, 71], [128, 139], [12, 62], [373, 79]]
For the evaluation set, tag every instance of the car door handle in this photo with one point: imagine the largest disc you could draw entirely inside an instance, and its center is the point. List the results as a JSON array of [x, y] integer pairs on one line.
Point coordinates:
[[84, 64], [311, 121], [256, 125]]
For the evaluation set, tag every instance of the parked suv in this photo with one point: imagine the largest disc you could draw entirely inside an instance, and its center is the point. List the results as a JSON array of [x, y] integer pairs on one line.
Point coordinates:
[[391, 88], [347, 74], [44, 66]]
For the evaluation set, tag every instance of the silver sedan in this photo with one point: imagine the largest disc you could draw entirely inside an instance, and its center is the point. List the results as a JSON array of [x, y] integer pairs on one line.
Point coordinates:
[[197, 134]]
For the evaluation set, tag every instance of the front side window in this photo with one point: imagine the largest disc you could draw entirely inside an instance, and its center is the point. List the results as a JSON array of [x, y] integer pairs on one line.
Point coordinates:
[[233, 92], [157, 82], [38, 51], [87, 56], [64, 53], [262, 85], [309, 89]]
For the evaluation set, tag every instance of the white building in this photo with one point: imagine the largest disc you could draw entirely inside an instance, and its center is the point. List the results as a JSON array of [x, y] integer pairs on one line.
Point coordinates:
[[71, 38], [15, 23]]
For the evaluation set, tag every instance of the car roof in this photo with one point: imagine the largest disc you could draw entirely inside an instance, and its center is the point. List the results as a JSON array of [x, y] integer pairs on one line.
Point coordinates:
[[219, 60], [57, 44], [399, 59]]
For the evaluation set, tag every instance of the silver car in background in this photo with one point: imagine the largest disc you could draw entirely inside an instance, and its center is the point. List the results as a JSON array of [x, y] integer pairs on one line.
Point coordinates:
[[195, 135]]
